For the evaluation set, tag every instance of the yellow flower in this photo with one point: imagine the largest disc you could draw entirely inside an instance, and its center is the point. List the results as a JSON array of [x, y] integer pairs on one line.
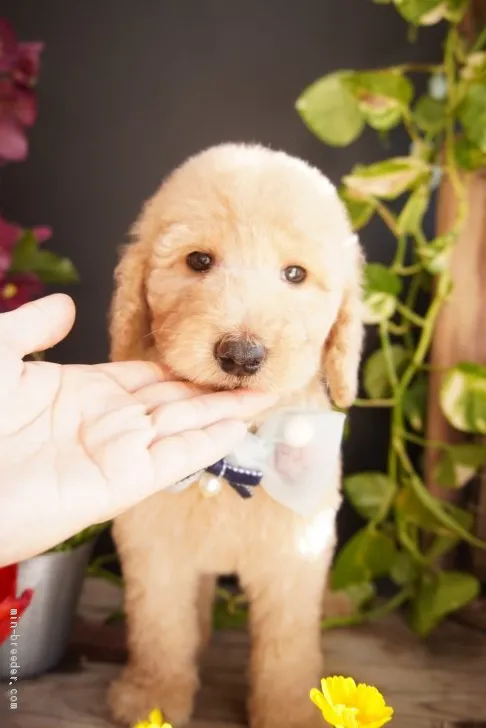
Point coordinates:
[[155, 720], [346, 705]]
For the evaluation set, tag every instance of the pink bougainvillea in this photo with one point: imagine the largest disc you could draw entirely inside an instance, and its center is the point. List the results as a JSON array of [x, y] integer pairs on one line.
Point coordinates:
[[25, 268], [19, 69]]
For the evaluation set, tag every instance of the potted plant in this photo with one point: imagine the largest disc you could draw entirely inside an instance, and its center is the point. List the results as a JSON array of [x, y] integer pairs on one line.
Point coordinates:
[[38, 597], [407, 529]]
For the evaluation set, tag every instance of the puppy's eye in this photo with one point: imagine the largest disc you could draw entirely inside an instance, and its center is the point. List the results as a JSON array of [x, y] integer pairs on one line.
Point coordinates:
[[294, 274], [199, 262]]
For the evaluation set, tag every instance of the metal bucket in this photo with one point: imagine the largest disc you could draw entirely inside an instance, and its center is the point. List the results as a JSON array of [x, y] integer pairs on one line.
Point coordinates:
[[43, 630]]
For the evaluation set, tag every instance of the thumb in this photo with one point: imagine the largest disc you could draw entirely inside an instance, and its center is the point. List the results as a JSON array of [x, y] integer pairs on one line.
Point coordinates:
[[38, 325]]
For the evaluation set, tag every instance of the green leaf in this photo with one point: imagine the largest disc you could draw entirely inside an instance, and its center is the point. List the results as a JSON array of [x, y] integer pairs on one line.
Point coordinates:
[[360, 594], [455, 10], [415, 403], [381, 288], [410, 219], [371, 494], [388, 179], [445, 541], [414, 512], [436, 255], [29, 257], [430, 12], [463, 398], [430, 114], [439, 512], [468, 156], [368, 555], [383, 96], [330, 111], [375, 376], [458, 464], [223, 618], [415, 10], [360, 211], [444, 472], [475, 67], [472, 115], [470, 454], [439, 596], [405, 570]]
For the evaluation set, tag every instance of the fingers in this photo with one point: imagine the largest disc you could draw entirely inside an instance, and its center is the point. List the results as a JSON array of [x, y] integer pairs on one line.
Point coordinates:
[[201, 411], [38, 325], [179, 456], [134, 375]]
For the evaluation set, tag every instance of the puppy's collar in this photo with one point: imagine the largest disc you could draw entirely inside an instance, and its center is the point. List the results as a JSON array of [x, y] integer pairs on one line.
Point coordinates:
[[292, 456]]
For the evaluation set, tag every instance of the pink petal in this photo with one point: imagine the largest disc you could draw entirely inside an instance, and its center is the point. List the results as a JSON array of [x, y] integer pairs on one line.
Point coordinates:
[[25, 107], [28, 288], [9, 234], [27, 67], [5, 261], [13, 142], [42, 233], [7, 98], [8, 46], [17, 104]]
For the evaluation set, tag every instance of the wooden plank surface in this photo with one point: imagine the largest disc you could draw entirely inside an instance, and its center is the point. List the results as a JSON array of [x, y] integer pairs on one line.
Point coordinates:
[[439, 684]]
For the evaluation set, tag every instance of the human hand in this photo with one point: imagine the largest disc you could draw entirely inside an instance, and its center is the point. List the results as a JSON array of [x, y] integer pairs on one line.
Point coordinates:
[[80, 444]]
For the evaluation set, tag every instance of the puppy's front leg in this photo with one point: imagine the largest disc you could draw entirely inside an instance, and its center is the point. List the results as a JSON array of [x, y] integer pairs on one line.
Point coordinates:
[[286, 601], [163, 631]]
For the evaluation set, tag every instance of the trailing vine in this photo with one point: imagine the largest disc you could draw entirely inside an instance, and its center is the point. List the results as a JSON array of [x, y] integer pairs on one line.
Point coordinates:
[[447, 131]]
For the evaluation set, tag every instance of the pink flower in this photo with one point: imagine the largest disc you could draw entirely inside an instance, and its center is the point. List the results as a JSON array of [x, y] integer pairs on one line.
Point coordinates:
[[27, 68], [16, 103], [17, 289], [10, 234], [13, 142], [8, 46], [19, 69]]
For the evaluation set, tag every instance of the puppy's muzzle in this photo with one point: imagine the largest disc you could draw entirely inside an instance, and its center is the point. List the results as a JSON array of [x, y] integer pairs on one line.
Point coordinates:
[[240, 355]]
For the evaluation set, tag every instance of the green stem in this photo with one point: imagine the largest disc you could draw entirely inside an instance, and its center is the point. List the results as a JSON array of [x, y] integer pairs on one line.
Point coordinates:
[[377, 613], [434, 444], [373, 403], [409, 544], [419, 68], [409, 270], [410, 315], [386, 347], [433, 505], [400, 253], [450, 157], [387, 216], [399, 329], [480, 41], [389, 606]]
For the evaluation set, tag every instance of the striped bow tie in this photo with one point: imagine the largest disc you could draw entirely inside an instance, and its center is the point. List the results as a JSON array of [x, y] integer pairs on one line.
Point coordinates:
[[293, 457]]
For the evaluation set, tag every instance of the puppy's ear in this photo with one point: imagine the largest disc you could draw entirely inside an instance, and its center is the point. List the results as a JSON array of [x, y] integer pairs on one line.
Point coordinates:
[[129, 313], [343, 347]]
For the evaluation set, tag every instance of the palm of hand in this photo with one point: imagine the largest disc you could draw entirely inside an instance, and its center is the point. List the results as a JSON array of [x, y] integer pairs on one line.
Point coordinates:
[[81, 435]]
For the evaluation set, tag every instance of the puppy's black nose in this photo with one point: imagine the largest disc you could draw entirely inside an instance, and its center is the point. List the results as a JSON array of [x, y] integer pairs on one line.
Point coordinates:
[[240, 356]]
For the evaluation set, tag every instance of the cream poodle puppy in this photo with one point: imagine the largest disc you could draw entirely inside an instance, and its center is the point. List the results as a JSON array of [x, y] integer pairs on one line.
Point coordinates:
[[243, 272]]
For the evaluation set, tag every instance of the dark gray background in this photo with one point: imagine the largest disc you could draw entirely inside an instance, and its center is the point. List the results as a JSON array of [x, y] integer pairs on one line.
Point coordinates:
[[129, 88]]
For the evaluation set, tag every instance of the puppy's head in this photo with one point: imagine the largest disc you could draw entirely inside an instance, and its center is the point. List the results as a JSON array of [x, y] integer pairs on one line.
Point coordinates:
[[243, 272]]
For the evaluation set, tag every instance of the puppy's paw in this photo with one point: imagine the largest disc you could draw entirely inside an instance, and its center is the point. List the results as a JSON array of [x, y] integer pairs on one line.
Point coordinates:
[[133, 696]]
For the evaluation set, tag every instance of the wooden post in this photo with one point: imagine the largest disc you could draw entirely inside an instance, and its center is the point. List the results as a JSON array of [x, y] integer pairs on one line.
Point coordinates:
[[460, 332]]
